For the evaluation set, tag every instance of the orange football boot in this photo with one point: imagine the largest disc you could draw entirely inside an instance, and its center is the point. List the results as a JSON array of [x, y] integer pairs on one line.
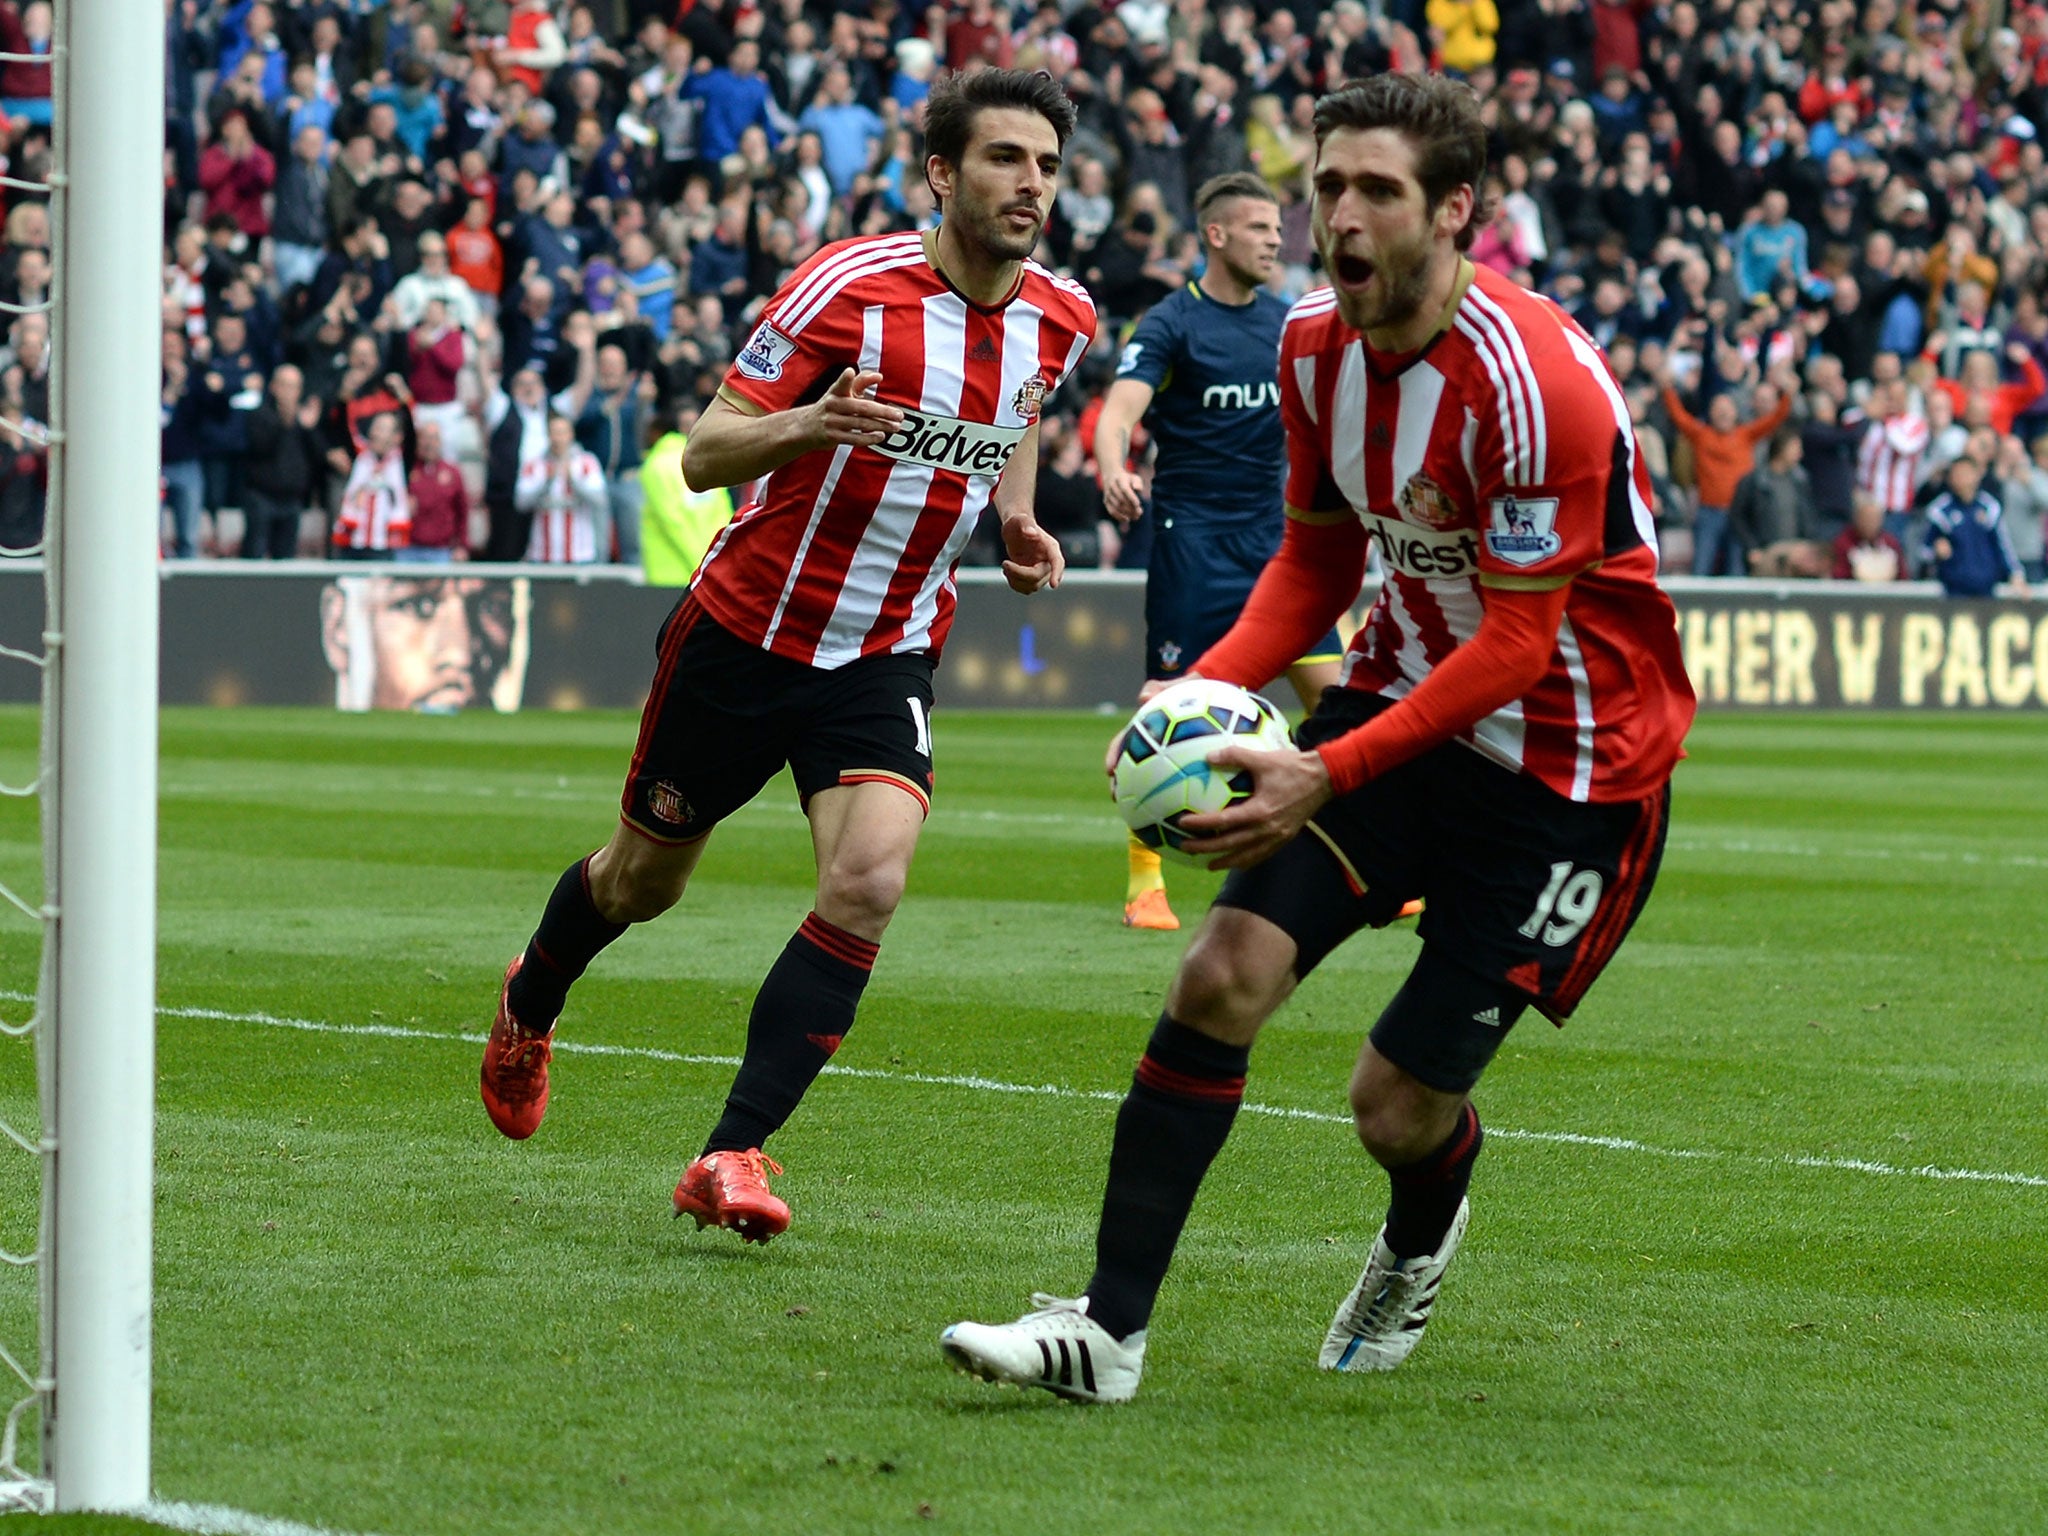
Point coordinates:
[[515, 1072], [1148, 909], [730, 1189]]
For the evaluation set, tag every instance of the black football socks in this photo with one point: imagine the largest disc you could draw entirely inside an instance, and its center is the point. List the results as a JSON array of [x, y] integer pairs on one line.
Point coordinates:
[[802, 1012], [571, 934], [1427, 1192], [1183, 1098]]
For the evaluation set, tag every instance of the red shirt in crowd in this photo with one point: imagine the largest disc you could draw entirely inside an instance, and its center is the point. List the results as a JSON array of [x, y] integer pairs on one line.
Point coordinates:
[[435, 365], [475, 256], [236, 187], [440, 506], [1859, 559], [2005, 400]]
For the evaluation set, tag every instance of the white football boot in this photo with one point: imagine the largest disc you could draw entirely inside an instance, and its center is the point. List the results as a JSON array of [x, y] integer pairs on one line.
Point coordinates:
[[1382, 1319], [1057, 1346]]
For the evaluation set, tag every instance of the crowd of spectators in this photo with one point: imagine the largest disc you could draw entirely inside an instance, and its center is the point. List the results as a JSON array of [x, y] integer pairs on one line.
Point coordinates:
[[437, 275]]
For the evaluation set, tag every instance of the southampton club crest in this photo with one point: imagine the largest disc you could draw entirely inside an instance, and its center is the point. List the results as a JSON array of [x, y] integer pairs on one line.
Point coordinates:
[[1030, 397], [667, 804], [1424, 501]]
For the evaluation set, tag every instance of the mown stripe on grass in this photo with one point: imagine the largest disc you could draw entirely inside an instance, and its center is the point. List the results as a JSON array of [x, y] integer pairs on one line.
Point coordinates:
[[219, 1520], [980, 1084]]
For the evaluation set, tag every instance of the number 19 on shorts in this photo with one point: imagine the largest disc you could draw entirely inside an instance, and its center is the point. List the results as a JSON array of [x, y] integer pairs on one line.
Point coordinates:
[[1565, 906]]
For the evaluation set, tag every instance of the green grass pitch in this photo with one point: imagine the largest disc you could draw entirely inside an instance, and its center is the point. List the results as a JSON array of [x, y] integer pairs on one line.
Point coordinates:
[[1743, 1304]]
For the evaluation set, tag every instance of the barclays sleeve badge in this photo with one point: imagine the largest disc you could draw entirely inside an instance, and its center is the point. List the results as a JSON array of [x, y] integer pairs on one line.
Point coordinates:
[[764, 354], [1522, 530]]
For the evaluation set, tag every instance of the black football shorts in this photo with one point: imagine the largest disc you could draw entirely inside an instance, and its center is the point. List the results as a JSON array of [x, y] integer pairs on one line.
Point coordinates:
[[724, 717], [1197, 584], [1527, 895]]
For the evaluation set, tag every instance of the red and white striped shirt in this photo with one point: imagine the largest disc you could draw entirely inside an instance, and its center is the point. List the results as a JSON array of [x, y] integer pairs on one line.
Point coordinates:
[[376, 506], [1500, 455], [571, 509], [850, 553], [1888, 460]]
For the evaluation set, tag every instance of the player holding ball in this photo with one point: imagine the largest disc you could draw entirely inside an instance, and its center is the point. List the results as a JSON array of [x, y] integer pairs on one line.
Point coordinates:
[[1501, 744]]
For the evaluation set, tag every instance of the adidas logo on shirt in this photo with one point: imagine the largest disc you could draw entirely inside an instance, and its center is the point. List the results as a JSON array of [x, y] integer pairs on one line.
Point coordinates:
[[1487, 1016], [984, 351]]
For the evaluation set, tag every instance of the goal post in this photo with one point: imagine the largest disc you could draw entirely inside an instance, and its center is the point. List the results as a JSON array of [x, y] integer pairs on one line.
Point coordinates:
[[101, 1068]]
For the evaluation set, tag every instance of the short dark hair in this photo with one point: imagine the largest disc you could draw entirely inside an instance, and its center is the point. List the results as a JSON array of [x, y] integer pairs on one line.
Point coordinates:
[[1438, 115], [1232, 184], [955, 102]]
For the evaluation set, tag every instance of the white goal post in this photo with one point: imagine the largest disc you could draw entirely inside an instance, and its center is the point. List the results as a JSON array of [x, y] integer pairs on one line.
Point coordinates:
[[98, 1049]]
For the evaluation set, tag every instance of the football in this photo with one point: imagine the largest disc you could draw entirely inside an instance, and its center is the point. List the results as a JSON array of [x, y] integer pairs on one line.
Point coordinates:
[[1162, 770]]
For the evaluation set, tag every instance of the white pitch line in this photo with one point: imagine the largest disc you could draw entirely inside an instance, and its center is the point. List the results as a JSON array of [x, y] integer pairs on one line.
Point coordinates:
[[219, 1520], [1105, 1096], [979, 1084]]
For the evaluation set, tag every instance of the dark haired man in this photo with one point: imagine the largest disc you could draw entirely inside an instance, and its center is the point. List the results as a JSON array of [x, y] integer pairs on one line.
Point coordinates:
[[1200, 369], [890, 392], [1502, 744]]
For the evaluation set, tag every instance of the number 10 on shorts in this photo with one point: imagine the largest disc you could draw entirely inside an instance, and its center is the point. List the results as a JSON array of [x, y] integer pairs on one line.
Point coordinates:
[[1571, 898]]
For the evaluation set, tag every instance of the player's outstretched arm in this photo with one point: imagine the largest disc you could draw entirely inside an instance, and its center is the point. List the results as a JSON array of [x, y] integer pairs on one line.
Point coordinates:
[[1504, 659], [733, 447], [1122, 409], [1032, 557]]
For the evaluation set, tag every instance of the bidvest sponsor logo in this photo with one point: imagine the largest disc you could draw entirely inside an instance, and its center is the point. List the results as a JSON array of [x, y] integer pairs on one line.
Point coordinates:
[[1434, 553], [946, 442]]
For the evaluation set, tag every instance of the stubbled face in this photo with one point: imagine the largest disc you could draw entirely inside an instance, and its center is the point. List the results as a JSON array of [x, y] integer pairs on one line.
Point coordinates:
[[1250, 227], [1374, 228], [1000, 193]]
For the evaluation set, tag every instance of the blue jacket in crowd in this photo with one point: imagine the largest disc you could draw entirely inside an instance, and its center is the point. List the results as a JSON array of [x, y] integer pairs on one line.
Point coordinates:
[[732, 104], [1980, 553]]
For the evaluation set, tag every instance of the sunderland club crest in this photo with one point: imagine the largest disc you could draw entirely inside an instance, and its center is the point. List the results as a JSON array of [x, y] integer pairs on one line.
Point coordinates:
[[667, 804], [1030, 397], [1424, 501]]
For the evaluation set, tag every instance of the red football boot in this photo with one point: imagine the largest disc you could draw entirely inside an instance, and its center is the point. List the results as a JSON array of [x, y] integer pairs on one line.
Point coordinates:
[[730, 1189], [515, 1073]]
